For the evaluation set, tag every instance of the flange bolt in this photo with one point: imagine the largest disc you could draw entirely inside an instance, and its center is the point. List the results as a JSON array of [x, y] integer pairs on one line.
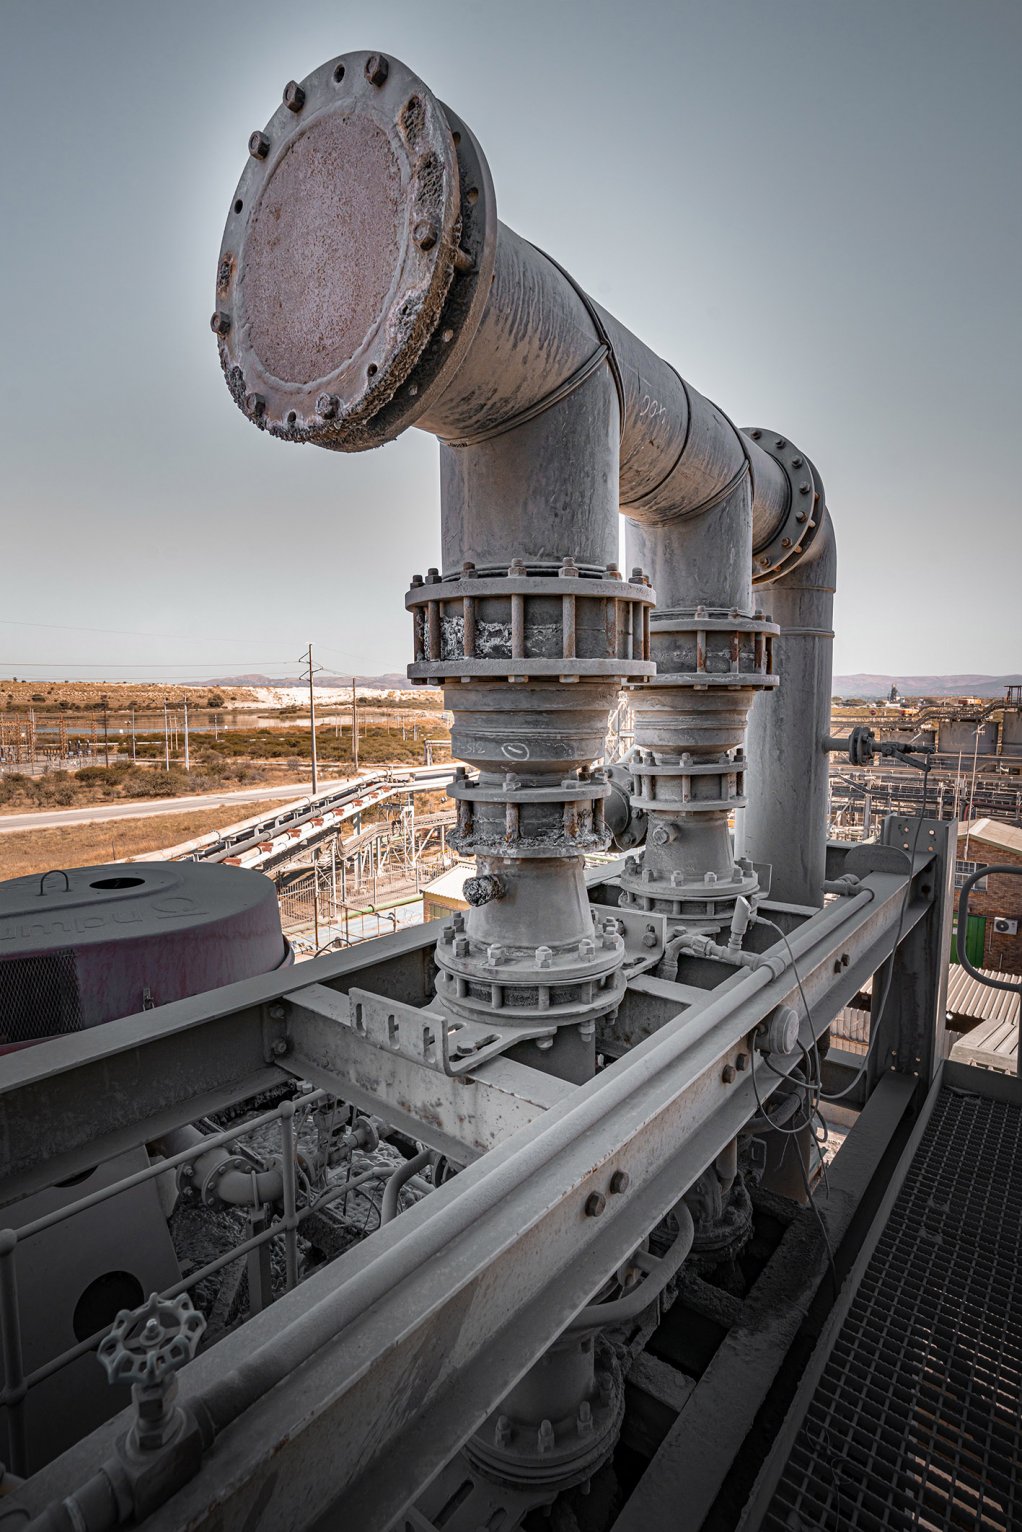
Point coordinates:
[[220, 323], [377, 69], [595, 1204], [294, 96], [258, 146]]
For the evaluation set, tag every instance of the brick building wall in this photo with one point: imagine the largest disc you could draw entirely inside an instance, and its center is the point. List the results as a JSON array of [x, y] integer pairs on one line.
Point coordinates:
[[1002, 896]]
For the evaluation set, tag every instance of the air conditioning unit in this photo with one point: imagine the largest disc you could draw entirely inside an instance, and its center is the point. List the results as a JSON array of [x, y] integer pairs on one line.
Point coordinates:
[[1005, 927]]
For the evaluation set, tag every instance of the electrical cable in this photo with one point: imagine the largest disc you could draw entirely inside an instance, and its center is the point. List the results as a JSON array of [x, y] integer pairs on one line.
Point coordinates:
[[793, 1132]]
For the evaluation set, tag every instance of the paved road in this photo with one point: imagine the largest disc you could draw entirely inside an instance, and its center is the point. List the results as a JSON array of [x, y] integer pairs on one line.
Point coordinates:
[[54, 819], [426, 777]]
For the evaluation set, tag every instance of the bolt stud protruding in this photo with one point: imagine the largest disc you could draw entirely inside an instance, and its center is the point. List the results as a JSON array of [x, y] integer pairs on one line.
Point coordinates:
[[258, 145], [377, 69], [294, 96], [220, 323]]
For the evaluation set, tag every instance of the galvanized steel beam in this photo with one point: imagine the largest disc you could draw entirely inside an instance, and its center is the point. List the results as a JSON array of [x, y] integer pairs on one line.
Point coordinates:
[[320, 1400]]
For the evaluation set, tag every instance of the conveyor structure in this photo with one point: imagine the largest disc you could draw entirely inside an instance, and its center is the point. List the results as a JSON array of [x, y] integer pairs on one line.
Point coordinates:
[[619, 1300]]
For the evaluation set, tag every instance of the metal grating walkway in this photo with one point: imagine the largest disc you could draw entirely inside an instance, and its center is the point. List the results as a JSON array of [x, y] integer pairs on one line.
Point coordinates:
[[916, 1421]]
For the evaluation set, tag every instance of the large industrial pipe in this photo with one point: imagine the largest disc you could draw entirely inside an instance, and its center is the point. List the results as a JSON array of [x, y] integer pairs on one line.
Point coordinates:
[[791, 785], [365, 285]]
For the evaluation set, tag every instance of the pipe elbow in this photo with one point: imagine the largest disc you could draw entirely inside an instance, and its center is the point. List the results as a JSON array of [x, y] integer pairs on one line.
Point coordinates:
[[248, 1188]]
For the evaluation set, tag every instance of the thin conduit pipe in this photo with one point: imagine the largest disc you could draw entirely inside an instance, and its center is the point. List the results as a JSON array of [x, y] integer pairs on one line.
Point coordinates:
[[403, 1174], [660, 1270]]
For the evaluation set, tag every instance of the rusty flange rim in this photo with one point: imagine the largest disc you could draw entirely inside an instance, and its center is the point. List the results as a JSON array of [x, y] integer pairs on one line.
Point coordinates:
[[336, 408]]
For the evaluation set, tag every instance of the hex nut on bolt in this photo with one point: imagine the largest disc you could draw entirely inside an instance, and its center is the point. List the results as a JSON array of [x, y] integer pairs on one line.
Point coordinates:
[[327, 406], [620, 1182], [220, 323], [425, 234], [377, 69], [294, 96], [596, 1203], [728, 1073], [258, 146]]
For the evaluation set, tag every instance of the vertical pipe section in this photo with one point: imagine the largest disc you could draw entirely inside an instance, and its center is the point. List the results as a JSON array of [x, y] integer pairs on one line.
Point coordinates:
[[542, 491], [703, 560], [11, 1352], [786, 818]]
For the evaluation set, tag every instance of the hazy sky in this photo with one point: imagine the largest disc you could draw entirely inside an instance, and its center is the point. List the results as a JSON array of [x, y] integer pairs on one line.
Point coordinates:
[[812, 208]]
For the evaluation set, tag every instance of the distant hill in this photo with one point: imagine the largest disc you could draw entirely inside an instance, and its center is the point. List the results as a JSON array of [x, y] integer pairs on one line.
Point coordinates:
[[394, 681], [924, 686]]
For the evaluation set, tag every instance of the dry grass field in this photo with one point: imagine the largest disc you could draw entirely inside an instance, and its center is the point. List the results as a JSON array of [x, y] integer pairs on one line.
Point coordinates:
[[91, 844]]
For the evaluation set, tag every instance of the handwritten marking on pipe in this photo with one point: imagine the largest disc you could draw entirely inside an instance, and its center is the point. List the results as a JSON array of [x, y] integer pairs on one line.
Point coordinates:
[[651, 407], [515, 752]]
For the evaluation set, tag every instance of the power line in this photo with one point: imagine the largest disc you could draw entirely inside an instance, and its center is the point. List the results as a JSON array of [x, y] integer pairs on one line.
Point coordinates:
[[156, 665], [67, 627]]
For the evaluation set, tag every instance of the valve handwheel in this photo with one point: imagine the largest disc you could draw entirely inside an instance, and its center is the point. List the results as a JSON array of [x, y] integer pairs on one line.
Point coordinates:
[[147, 1344]]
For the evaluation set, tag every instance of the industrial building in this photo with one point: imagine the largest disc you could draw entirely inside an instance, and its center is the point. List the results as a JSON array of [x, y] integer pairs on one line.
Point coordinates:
[[525, 1216]]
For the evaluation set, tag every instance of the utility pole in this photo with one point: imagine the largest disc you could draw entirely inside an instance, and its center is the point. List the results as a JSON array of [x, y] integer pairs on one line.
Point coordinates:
[[354, 725], [106, 733], [307, 657], [166, 737], [188, 765], [133, 757]]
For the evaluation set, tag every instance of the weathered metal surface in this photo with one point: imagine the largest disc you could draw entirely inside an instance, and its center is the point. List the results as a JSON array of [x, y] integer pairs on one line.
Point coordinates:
[[107, 941], [919, 1355], [417, 1320], [107, 1090], [696, 1461], [365, 224], [786, 731], [339, 251]]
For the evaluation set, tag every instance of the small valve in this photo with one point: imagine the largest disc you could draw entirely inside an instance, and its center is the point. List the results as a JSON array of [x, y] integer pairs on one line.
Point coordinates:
[[147, 1344], [862, 747], [147, 1347]]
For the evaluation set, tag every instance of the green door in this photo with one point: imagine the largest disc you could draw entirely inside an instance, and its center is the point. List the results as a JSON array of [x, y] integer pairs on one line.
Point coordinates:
[[975, 940]]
